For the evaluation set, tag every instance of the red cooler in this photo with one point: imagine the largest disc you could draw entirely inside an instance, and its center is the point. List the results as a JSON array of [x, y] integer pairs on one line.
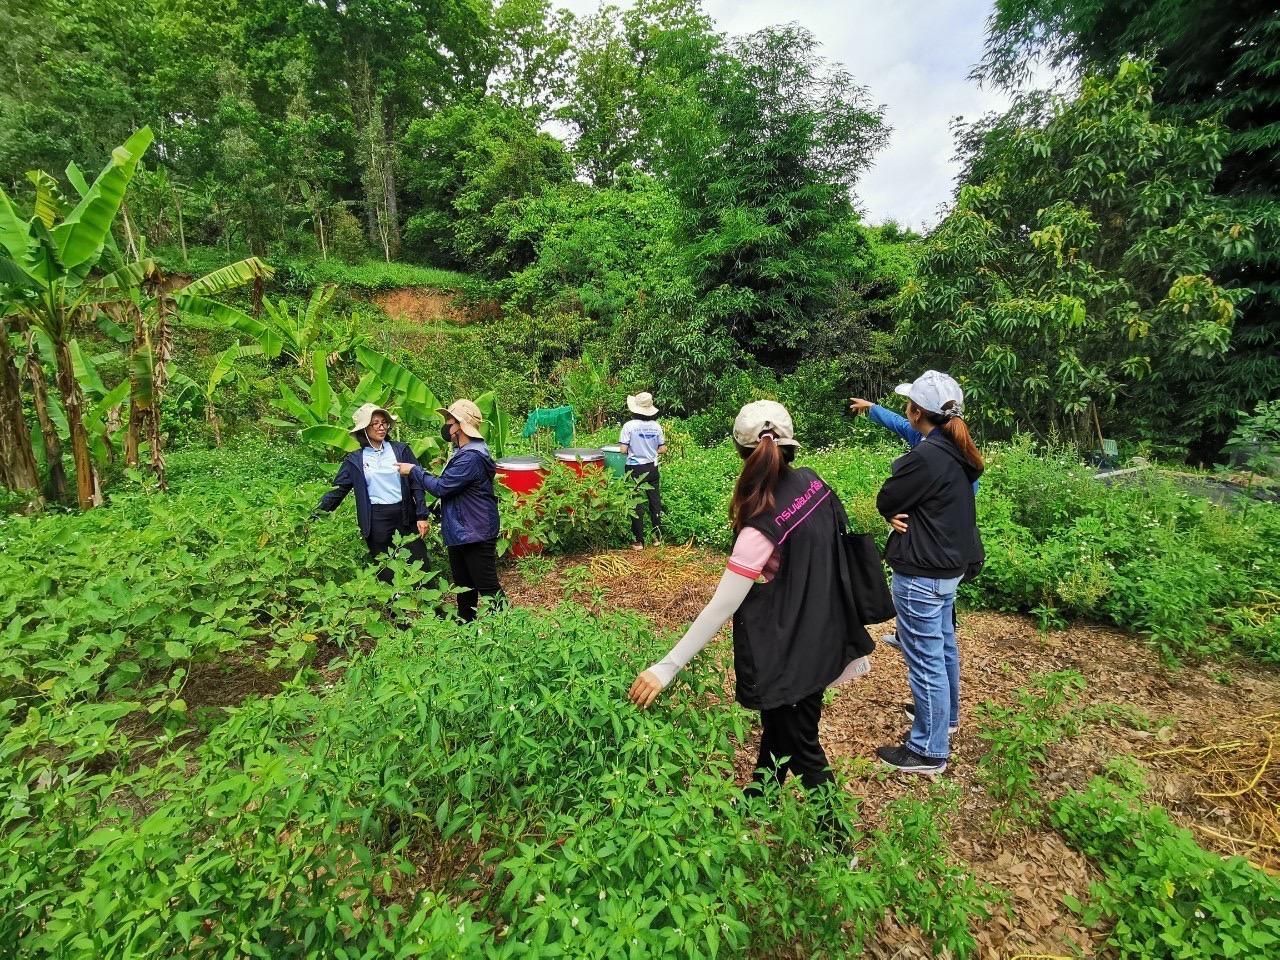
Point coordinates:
[[522, 476], [581, 459]]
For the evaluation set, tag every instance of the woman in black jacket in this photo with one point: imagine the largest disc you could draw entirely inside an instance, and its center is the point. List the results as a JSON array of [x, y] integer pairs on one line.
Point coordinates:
[[793, 633], [385, 503], [929, 502]]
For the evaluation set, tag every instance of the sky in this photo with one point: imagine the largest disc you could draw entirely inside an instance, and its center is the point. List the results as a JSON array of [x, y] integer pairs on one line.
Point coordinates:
[[914, 56]]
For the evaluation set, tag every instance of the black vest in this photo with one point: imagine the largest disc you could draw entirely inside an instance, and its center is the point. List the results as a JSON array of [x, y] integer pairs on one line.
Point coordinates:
[[794, 635]]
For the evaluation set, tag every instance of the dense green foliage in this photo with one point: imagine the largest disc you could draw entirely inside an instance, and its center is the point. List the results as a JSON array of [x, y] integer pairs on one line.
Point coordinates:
[[1076, 275], [148, 811], [1218, 62]]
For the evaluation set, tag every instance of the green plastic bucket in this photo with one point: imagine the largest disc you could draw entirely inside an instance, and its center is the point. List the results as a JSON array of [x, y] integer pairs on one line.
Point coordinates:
[[615, 461]]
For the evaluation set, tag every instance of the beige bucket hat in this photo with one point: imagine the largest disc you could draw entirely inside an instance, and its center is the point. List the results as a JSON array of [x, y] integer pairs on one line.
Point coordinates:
[[760, 417], [468, 416], [363, 416], [642, 404]]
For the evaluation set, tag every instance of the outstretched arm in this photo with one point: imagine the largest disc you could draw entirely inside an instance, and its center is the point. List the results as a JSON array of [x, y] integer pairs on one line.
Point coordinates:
[[342, 485], [894, 423], [733, 589]]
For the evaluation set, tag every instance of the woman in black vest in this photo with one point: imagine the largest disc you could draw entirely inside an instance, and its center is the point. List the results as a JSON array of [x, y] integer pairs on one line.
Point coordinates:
[[793, 633]]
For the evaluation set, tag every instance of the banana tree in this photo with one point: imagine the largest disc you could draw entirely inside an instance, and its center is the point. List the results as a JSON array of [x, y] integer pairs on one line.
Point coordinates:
[[54, 255], [148, 296], [18, 470], [224, 370]]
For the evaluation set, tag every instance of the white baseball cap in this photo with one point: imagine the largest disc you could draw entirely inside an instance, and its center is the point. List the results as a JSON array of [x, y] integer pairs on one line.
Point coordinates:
[[935, 392], [760, 417]]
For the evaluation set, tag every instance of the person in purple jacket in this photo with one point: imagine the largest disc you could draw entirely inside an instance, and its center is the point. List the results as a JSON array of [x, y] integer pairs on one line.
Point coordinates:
[[468, 505]]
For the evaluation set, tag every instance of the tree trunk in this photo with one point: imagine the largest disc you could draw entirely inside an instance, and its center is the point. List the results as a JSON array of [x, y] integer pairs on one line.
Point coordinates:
[[389, 182], [182, 234], [159, 380], [88, 493], [56, 487], [133, 434], [18, 469]]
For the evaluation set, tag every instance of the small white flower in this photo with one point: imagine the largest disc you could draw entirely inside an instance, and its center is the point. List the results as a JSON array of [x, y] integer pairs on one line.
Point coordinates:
[[575, 921]]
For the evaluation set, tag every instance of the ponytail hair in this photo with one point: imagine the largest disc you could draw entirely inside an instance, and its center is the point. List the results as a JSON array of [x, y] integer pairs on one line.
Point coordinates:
[[957, 432], [766, 465]]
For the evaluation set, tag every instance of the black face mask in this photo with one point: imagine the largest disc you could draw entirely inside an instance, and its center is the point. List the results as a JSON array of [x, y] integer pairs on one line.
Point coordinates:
[[446, 433]]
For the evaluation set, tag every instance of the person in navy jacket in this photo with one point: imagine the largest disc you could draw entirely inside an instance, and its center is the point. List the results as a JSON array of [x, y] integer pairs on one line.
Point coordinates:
[[386, 503], [468, 505]]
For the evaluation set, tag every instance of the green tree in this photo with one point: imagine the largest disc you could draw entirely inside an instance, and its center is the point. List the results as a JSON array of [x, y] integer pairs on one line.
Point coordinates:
[[629, 72], [767, 155], [467, 166], [1076, 274], [530, 51], [1217, 61]]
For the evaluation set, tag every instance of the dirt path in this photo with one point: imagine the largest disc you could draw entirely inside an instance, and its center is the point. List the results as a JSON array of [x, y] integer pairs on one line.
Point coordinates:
[[1191, 706]]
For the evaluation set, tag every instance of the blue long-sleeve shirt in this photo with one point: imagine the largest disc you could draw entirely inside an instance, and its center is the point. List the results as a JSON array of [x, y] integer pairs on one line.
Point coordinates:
[[465, 490], [897, 423]]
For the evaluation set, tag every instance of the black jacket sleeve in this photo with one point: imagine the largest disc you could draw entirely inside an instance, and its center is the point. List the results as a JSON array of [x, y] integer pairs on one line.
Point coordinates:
[[342, 485], [907, 485]]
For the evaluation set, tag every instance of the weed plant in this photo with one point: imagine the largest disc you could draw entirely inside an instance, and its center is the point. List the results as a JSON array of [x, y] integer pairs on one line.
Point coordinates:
[[460, 791], [1018, 737]]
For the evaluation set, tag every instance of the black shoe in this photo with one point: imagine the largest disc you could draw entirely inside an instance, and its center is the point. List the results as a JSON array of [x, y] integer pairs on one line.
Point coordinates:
[[910, 710], [908, 761]]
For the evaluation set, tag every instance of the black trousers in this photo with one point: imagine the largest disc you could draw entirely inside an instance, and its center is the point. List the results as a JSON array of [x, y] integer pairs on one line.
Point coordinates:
[[385, 521], [648, 476], [791, 732], [475, 566]]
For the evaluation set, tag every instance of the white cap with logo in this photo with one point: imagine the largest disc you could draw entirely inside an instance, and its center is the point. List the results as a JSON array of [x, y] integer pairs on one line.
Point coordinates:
[[935, 392]]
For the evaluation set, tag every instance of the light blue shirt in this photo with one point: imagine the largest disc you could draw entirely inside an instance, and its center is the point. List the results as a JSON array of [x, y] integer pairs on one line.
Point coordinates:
[[381, 474], [643, 438]]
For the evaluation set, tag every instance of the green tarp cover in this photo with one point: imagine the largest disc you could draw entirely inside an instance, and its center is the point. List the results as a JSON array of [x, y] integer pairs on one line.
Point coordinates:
[[559, 420]]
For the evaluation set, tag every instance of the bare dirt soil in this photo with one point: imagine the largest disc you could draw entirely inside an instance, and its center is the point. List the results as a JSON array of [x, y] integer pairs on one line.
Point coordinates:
[[428, 306], [1186, 713]]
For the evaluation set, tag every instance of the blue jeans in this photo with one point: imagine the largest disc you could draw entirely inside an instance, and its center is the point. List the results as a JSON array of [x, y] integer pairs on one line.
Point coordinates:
[[928, 638]]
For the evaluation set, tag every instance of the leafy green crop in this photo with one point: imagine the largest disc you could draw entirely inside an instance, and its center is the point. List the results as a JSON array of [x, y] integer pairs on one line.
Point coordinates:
[[1166, 896]]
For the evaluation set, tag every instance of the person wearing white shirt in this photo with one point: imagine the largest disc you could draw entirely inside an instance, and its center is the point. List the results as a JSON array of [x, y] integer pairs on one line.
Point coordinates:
[[642, 440]]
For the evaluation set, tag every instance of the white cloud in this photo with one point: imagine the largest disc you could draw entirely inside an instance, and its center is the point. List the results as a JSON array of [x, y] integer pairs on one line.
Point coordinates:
[[915, 57]]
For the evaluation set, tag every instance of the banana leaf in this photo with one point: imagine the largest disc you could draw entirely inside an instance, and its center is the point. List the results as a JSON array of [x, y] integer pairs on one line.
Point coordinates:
[[238, 320], [497, 426], [14, 234], [330, 436], [290, 403], [48, 200], [83, 233], [321, 394], [411, 393], [228, 278], [226, 363], [86, 371]]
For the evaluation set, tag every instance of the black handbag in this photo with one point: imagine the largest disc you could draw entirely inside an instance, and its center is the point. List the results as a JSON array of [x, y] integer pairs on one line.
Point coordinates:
[[866, 588]]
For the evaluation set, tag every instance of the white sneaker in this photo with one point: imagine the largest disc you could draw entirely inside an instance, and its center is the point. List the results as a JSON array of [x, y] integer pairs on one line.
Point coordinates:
[[891, 640]]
